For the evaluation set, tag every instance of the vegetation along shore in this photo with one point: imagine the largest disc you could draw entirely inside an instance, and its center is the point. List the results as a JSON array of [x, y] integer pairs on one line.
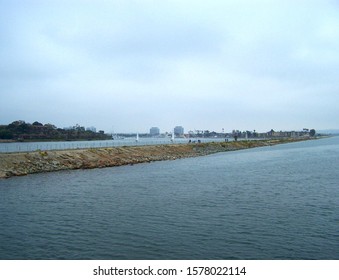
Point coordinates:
[[19, 164]]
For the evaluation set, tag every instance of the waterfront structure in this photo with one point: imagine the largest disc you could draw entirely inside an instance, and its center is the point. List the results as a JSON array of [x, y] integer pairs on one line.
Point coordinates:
[[179, 131], [154, 131]]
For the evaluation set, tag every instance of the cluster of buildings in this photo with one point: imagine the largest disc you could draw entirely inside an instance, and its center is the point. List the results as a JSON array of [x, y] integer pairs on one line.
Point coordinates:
[[178, 131]]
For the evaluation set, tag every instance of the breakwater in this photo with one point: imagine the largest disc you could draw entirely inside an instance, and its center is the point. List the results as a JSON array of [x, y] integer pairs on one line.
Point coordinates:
[[19, 164]]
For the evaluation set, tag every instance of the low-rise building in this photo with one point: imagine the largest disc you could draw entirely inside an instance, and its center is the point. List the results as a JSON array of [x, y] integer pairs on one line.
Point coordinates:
[[92, 128]]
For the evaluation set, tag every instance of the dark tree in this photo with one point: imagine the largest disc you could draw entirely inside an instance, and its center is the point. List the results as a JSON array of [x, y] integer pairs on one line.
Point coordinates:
[[37, 124], [312, 132], [20, 130]]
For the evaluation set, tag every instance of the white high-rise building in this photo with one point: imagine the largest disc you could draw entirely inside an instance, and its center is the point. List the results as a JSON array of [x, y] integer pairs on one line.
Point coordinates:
[[179, 131], [154, 131]]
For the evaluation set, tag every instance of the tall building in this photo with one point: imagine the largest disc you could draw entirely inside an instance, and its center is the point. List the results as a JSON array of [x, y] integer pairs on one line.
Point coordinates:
[[179, 131], [154, 131]]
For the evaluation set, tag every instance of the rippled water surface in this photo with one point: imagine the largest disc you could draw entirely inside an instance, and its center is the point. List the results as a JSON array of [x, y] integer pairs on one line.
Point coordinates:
[[277, 202]]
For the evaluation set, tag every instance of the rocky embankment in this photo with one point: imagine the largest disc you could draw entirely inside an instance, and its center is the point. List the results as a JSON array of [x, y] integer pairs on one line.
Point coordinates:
[[19, 164]]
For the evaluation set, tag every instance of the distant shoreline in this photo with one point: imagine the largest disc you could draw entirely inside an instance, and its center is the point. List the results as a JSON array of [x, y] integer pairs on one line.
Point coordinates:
[[24, 163]]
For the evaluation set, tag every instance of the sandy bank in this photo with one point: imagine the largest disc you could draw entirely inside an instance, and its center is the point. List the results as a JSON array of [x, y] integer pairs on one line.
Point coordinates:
[[19, 164]]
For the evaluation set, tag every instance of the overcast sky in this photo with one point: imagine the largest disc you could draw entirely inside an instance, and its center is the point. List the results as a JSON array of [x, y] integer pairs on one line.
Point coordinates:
[[130, 65]]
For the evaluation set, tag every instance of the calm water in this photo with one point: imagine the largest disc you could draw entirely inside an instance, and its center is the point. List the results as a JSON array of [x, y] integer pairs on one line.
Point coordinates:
[[276, 202]]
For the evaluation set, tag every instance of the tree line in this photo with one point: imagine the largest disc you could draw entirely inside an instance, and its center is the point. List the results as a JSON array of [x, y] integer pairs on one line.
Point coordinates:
[[22, 131]]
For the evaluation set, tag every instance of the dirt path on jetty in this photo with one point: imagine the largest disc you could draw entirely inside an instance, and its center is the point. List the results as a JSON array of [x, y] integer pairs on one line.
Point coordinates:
[[19, 164]]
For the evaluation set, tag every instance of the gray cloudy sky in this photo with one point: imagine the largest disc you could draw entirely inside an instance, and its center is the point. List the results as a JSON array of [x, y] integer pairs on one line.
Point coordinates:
[[129, 65]]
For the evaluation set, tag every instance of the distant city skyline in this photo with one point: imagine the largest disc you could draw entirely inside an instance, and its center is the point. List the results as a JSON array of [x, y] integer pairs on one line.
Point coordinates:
[[125, 66]]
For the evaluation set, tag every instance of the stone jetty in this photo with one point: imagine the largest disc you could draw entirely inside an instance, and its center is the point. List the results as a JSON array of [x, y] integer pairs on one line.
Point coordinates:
[[19, 164]]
